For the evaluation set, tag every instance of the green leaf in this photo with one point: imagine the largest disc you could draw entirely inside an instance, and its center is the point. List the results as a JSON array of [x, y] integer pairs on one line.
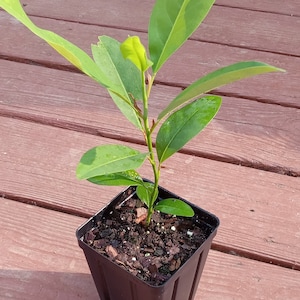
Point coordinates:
[[109, 159], [72, 53], [126, 178], [171, 23], [145, 192], [184, 124], [175, 207], [217, 79], [125, 78], [121, 72], [126, 109], [133, 49]]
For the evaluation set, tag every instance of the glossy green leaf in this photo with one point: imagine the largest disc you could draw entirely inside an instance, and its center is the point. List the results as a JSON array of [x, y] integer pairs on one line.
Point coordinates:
[[133, 50], [125, 77], [145, 192], [175, 207], [171, 23], [109, 159], [184, 124], [126, 178], [217, 79], [72, 53]]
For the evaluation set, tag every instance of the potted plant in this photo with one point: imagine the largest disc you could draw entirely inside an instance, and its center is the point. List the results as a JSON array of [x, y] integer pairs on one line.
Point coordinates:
[[147, 243]]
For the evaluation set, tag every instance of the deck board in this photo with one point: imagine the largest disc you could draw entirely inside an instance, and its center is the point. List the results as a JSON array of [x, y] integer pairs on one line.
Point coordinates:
[[251, 202], [34, 264], [179, 71], [50, 270], [69, 100], [276, 36], [291, 7]]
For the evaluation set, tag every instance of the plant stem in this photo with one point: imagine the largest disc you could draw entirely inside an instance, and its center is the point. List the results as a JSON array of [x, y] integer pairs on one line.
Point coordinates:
[[148, 140], [156, 173]]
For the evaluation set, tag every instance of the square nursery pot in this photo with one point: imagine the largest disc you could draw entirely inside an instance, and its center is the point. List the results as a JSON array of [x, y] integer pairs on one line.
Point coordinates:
[[113, 282]]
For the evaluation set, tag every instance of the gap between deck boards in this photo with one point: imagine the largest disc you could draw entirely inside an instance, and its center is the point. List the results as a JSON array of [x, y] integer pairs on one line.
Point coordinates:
[[96, 131], [72, 69], [212, 56], [53, 14], [64, 269], [215, 246], [274, 12], [52, 201]]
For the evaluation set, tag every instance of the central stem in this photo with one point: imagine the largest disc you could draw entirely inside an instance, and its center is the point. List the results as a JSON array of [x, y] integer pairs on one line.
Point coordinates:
[[148, 140]]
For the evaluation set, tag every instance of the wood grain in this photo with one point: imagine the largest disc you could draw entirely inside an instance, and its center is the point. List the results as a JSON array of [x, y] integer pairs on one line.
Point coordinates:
[[255, 30], [38, 266], [244, 132], [291, 7], [40, 258], [194, 60], [258, 210]]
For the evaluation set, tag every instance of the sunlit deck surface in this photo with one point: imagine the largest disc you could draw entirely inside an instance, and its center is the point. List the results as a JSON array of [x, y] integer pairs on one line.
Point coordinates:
[[244, 167]]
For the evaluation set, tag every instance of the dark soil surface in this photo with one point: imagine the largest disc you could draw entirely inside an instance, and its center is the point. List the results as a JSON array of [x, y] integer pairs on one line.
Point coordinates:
[[152, 253]]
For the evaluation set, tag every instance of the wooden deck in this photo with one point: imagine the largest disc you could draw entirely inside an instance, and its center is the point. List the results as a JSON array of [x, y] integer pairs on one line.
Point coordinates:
[[245, 167]]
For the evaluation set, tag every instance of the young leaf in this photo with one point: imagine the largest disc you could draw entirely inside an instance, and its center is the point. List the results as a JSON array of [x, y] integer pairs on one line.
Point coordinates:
[[122, 73], [109, 159], [133, 49], [184, 124], [130, 177], [72, 53], [217, 79], [171, 23], [175, 207], [145, 191]]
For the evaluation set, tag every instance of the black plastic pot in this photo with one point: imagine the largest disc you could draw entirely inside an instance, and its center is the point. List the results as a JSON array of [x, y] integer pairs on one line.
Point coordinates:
[[115, 283]]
